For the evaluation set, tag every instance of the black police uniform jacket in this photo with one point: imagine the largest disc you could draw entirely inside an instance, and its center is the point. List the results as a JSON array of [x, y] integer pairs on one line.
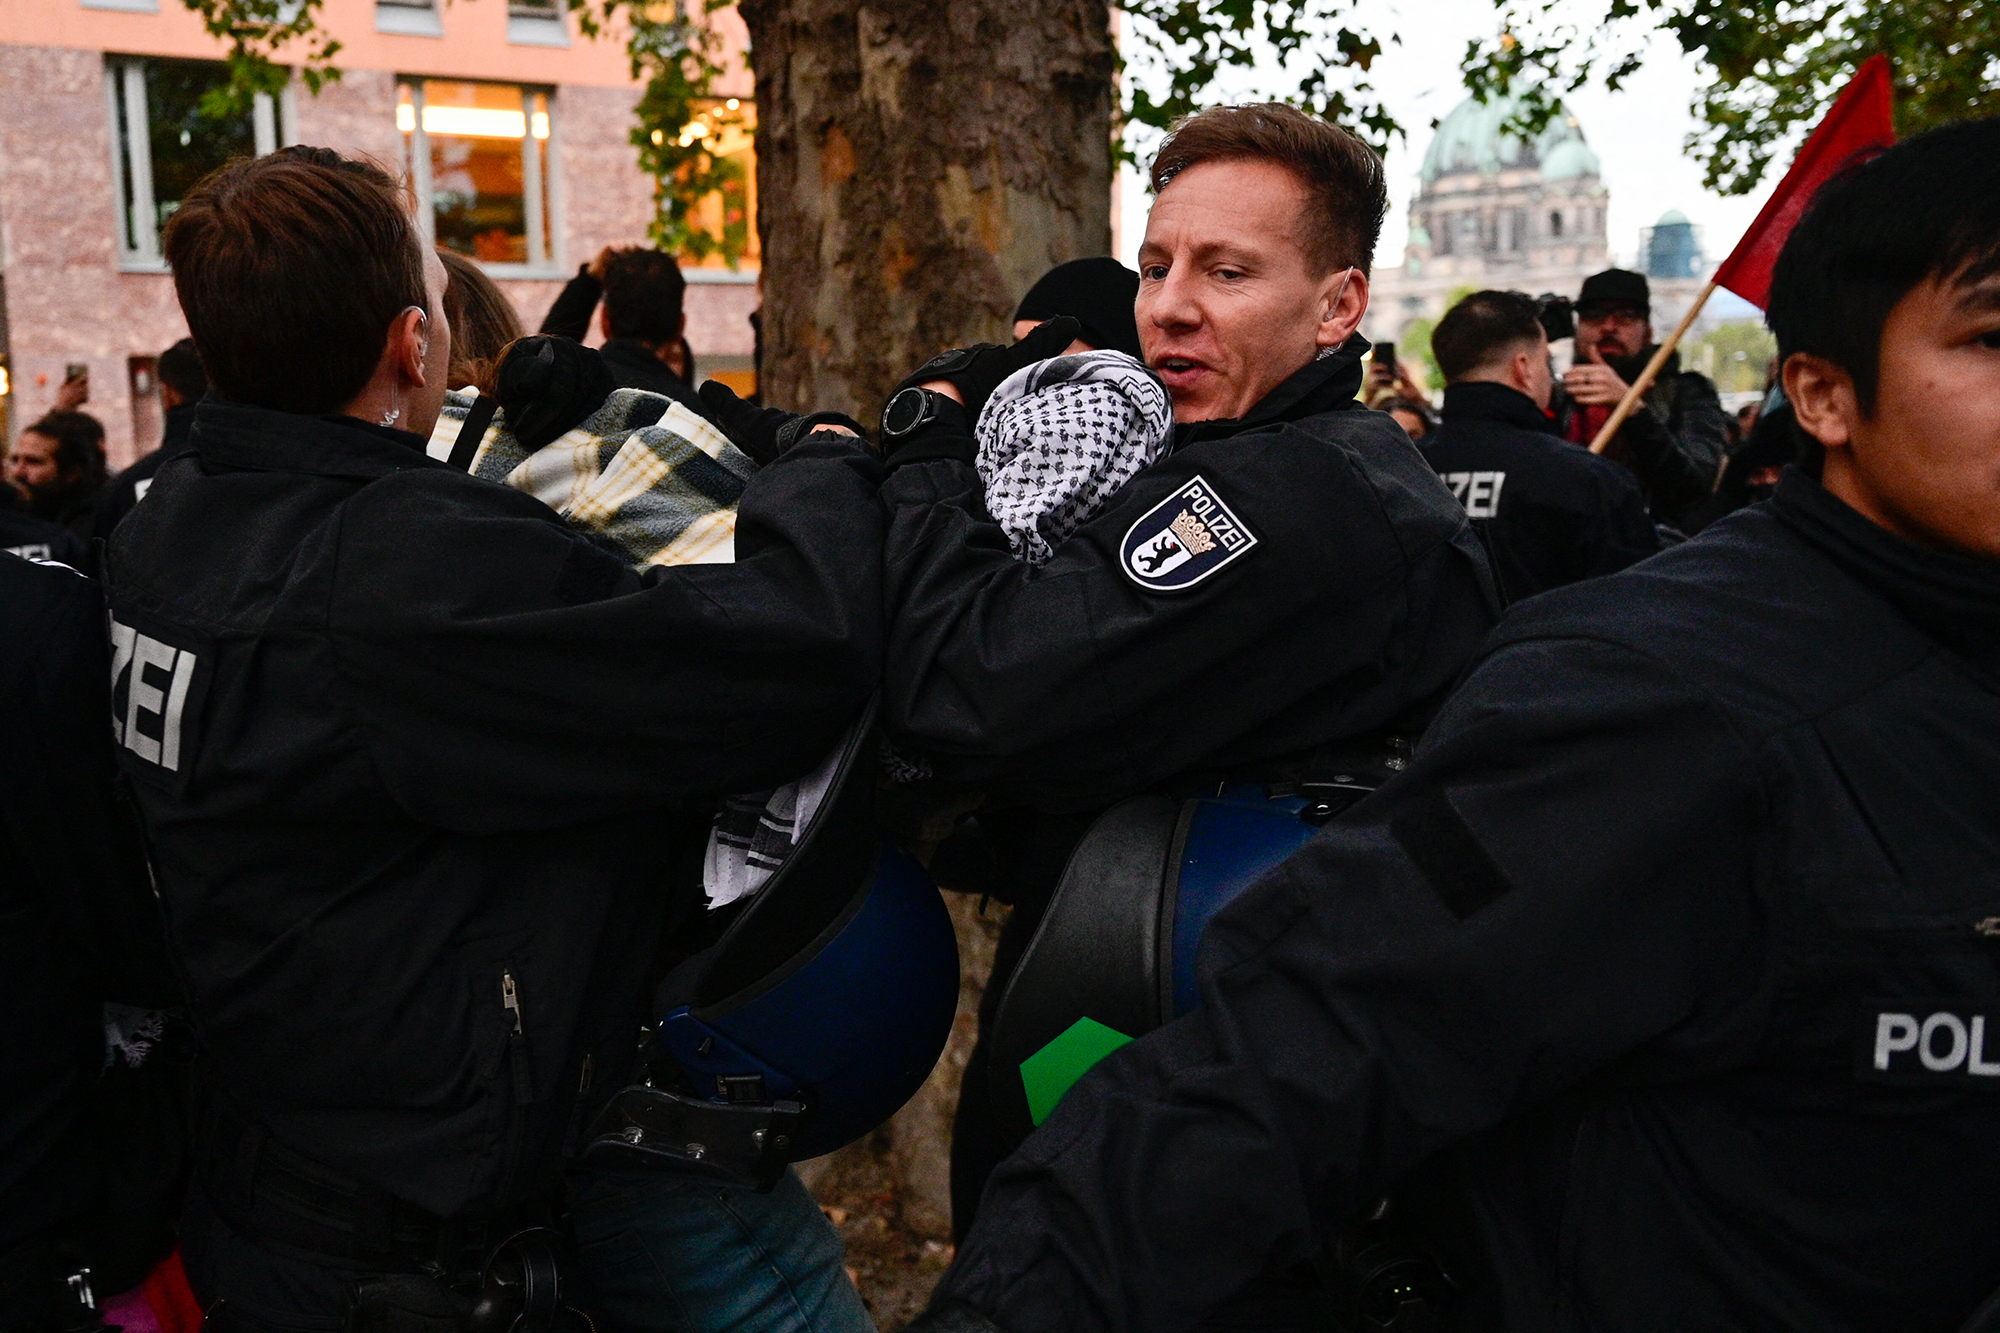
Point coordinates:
[[1673, 961], [408, 749], [1551, 512], [1329, 587]]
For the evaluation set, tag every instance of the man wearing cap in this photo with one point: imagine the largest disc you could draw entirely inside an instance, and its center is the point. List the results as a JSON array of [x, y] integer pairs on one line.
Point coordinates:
[[1675, 441]]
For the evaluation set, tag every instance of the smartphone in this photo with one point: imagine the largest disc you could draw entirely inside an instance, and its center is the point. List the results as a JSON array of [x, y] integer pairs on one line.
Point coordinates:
[[1385, 355]]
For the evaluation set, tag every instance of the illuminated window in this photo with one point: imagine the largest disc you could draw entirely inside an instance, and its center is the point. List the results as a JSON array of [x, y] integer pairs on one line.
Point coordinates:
[[728, 129], [162, 143], [478, 156]]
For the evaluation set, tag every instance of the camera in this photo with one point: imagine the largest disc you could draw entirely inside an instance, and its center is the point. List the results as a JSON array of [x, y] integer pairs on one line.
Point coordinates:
[[1557, 314]]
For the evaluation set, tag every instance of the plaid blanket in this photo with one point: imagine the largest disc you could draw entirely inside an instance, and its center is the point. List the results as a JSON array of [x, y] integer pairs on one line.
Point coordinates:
[[642, 471]]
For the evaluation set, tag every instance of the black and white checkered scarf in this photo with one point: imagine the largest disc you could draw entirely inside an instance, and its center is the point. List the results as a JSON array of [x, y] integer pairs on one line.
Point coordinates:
[[1058, 438]]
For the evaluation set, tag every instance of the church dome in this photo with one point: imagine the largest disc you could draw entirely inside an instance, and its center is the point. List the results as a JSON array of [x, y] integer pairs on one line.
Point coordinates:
[[1469, 140], [1569, 159]]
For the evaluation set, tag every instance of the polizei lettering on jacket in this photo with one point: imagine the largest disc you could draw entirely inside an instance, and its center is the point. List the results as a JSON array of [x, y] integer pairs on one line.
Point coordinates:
[[154, 694], [1928, 1043], [1183, 539], [1479, 492]]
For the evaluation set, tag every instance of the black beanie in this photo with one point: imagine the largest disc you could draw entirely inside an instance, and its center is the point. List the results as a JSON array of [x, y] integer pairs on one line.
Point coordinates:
[[1098, 293]]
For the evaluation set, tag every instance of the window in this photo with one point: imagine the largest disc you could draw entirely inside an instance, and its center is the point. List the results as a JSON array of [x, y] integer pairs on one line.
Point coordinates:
[[536, 23], [728, 129], [409, 18], [478, 158], [1555, 224], [162, 143]]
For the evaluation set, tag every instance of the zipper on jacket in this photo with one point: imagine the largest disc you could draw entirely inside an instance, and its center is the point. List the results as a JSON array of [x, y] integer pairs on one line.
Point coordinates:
[[510, 999]]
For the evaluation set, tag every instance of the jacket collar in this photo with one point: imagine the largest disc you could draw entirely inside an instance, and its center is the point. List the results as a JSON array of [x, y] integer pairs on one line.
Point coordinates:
[[1483, 400], [236, 435], [1952, 598], [1327, 385]]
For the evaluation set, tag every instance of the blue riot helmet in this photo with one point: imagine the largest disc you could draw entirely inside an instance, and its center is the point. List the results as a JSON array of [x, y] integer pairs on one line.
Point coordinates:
[[820, 1010], [1114, 956]]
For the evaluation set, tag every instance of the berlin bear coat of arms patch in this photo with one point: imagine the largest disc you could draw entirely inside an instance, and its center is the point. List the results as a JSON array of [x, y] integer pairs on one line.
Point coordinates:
[[1183, 539]]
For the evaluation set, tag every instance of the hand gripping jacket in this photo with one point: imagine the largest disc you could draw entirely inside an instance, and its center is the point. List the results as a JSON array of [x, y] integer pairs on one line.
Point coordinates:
[[818, 1013]]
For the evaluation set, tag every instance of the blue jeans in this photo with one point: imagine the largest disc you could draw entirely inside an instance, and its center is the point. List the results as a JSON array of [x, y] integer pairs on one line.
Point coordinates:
[[663, 1255]]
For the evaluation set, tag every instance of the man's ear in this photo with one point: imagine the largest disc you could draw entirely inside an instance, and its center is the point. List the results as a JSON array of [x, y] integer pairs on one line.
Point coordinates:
[[409, 340], [681, 329], [1343, 304], [1823, 398], [1521, 370], [604, 321]]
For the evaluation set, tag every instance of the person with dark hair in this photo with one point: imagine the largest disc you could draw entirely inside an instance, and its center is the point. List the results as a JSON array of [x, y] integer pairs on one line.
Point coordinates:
[[1659, 991], [422, 767], [1675, 441], [1288, 577], [58, 467], [483, 322], [642, 317], [1551, 513], [1097, 292], [1413, 415], [182, 384]]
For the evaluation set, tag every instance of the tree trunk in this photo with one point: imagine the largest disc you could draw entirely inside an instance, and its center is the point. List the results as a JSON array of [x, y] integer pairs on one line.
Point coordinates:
[[918, 166]]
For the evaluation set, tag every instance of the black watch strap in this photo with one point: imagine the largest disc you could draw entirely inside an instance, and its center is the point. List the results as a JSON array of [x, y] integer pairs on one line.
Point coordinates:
[[909, 411]]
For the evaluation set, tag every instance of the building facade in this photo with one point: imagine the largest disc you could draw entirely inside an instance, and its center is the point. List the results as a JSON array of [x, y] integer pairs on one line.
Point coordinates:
[[1494, 210], [511, 127]]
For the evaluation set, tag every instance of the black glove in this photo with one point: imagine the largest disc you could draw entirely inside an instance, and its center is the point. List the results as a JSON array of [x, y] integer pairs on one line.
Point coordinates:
[[763, 432], [951, 1316], [977, 371], [548, 385]]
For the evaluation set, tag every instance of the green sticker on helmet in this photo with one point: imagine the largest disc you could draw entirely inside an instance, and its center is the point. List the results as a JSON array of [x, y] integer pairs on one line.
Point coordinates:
[[1049, 1073]]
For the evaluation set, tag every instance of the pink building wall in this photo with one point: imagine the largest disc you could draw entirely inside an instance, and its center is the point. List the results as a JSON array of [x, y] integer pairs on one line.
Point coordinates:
[[67, 300]]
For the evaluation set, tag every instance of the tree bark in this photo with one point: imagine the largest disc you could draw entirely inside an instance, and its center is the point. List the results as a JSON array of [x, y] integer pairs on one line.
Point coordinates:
[[918, 166]]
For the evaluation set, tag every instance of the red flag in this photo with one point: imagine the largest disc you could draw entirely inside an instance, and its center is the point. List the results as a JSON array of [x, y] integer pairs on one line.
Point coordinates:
[[1859, 119]]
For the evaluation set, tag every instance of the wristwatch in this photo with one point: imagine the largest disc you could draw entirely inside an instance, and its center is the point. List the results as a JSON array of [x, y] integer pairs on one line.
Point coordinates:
[[909, 411]]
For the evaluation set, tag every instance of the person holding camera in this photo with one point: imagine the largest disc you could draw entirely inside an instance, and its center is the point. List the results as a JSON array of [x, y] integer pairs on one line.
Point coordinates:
[[423, 768], [1551, 513], [1677, 438]]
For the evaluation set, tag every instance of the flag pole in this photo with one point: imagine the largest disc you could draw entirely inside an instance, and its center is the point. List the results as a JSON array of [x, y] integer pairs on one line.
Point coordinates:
[[1650, 373]]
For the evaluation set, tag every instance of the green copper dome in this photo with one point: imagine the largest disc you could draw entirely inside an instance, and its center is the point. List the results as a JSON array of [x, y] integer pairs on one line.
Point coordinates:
[[1469, 140]]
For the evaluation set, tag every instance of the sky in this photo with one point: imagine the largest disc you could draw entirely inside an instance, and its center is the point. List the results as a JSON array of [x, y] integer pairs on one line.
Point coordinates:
[[1636, 132]]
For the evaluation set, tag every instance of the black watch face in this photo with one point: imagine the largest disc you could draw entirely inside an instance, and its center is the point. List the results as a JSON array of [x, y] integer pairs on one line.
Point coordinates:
[[905, 410]]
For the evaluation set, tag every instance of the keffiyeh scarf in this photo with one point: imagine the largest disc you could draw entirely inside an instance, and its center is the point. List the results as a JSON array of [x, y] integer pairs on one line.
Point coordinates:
[[1058, 438]]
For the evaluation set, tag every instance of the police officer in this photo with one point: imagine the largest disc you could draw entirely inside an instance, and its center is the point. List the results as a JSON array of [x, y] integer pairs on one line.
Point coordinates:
[[1291, 578], [1660, 991], [413, 755], [1675, 443], [1551, 513], [77, 928]]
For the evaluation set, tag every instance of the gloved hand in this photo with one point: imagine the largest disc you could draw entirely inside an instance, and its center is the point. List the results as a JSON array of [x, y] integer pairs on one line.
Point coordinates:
[[977, 371], [764, 433], [548, 385]]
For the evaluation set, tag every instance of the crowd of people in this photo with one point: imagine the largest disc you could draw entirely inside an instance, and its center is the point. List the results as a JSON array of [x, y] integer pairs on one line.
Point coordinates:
[[1621, 958]]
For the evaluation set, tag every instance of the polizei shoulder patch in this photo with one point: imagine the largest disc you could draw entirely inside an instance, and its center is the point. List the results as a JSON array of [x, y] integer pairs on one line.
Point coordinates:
[[1183, 539]]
